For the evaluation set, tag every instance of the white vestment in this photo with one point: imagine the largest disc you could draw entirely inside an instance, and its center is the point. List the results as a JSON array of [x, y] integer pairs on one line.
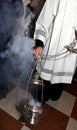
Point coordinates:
[[55, 27]]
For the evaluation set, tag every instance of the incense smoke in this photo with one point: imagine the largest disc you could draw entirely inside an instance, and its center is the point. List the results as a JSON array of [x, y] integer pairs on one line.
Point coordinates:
[[16, 50], [9, 11], [20, 59]]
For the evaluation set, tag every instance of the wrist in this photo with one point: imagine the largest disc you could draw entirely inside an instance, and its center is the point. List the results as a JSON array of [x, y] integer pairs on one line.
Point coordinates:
[[38, 43]]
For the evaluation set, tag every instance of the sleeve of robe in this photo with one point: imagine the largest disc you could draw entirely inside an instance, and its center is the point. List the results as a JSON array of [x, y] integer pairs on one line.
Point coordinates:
[[44, 24]]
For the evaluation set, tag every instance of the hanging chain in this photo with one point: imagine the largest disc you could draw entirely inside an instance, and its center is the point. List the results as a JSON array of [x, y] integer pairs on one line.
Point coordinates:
[[29, 80], [69, 50]]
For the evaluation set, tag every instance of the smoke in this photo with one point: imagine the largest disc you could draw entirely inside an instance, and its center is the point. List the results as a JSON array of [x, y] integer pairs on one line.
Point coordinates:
[[9, 11], [20, 59], [16, 50], [33, 103]]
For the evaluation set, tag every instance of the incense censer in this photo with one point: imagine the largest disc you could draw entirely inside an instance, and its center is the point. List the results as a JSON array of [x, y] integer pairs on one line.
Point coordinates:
[[30, 108]]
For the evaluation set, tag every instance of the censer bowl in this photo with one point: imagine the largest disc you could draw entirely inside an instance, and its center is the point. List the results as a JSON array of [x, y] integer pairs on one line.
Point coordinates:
[[35, 109], [32, 113]]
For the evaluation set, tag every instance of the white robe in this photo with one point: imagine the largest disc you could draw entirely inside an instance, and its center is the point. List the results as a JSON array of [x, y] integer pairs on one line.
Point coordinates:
[[55, 27]]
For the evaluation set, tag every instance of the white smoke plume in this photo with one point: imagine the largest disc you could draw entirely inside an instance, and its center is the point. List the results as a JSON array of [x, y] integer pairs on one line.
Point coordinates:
[[16, 49], [20, 59]]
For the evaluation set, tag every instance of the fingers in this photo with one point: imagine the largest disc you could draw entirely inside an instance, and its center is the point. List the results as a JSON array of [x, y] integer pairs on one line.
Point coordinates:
[[38, 52]]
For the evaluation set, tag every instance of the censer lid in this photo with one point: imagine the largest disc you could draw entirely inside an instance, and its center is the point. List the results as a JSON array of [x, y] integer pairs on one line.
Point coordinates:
[[36, 79]]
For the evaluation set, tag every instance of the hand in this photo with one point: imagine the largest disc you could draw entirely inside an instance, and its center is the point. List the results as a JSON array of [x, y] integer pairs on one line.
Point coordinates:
[[38, 52]]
